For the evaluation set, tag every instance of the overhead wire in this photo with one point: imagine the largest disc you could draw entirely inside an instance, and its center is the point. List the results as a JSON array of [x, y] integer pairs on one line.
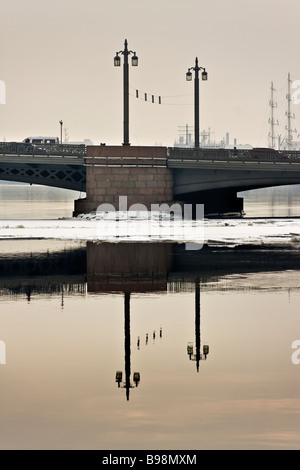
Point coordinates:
[[157, 99]]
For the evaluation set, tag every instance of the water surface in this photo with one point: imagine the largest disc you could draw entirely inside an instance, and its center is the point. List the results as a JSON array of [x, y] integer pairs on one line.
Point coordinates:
[[75, 312]]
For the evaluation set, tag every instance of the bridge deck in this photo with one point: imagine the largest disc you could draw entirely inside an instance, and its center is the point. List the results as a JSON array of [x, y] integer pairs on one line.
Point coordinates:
[[65, 166], [233, 159], [176, 157], [26, 149]]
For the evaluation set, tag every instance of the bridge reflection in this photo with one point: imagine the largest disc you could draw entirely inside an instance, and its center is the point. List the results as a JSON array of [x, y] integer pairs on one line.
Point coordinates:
[[136, 268], [128, 267]]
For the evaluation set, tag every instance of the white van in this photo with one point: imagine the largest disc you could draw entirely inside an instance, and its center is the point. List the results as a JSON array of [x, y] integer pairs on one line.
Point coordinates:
[[41, 140]]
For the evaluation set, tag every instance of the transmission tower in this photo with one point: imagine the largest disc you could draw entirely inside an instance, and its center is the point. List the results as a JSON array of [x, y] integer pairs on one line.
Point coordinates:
[[272, 121], [290, 116], [66, 135]]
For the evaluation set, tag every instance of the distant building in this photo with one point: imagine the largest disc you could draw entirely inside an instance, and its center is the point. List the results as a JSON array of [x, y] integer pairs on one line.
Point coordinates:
[[186, 140]]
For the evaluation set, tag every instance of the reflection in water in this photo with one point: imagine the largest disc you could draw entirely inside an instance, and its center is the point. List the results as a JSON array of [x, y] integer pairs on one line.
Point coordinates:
[[136, 375], [281, 201], [119, 298], [138, 344], [129, 268], [127, 343], [190, 348], [47, 272], [137, 268]]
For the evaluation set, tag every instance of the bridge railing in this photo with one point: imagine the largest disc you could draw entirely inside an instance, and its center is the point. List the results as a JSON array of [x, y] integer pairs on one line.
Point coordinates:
[[220, 154], [60, 150]]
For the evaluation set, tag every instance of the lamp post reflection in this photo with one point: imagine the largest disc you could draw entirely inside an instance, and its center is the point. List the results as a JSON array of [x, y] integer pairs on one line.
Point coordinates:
[[190, 348], [147, 337], [119, 374]]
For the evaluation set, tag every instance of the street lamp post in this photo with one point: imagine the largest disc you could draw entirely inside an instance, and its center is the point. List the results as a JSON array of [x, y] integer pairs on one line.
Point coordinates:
[[117, 63], [196, 95], [61, 125]]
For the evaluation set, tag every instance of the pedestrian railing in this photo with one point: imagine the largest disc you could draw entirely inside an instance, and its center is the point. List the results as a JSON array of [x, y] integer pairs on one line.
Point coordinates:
[[59, 150]]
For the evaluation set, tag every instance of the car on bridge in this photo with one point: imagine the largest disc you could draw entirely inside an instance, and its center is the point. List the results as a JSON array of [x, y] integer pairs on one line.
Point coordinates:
[[41, 140], [39, 145]]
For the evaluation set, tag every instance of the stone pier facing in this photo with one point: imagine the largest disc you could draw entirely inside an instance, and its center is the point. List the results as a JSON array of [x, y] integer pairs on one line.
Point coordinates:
[[140, 173]]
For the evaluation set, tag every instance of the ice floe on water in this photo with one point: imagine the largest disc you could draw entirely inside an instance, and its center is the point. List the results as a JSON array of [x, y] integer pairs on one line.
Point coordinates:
[[144, 226]]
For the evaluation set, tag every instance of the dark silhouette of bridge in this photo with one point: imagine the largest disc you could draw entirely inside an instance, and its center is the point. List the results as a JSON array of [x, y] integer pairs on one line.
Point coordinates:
[[136, 267]]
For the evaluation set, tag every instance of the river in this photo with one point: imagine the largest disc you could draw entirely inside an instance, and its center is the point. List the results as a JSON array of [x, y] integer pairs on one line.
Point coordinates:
[[147, 344]]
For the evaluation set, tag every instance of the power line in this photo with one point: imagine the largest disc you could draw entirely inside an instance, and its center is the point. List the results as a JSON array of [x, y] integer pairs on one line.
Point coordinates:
[[149, 99], [158, 99]]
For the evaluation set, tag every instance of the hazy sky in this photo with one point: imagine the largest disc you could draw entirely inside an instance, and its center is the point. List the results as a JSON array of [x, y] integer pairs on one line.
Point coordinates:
[[57, 64]]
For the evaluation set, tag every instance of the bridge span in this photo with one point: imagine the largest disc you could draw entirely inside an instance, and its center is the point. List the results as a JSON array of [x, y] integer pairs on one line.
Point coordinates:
[[214, 178], [61, 166], [150, 175]]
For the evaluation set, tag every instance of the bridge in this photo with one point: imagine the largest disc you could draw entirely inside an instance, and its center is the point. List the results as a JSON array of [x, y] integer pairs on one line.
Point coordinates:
[[147, 175], [214, 177], [61, 166]]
